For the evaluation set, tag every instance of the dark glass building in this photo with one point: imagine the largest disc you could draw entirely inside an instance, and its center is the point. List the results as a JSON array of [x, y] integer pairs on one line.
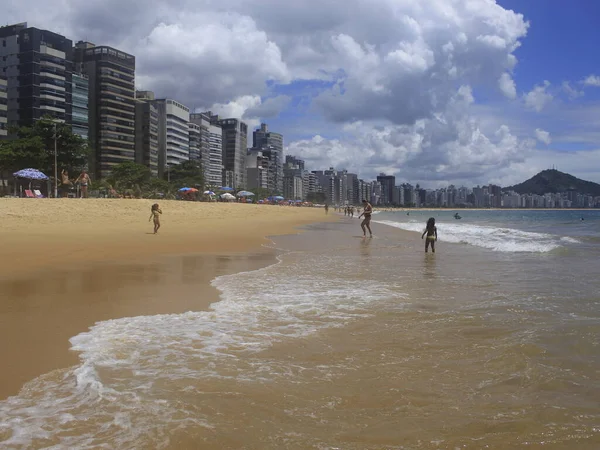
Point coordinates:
[[111, 75], [38, 67]]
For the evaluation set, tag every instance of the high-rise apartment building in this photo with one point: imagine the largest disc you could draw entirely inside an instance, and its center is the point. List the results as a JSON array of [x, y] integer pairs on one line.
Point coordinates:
[[38, 67], [146, 131], [195, 142], [3, 108], [293, 162], [263, 139], [387, 187], [257, 169], [293, 179], [80, 110], [211, 147], [235, 146], [173, 133], [111, 75]]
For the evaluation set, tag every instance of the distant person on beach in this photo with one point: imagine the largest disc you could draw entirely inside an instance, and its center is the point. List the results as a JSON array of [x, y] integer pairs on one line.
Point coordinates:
[[154, 213], [326, 209], [65, 183], [431, 231], [352, 211], [366, 223], [85, 181]]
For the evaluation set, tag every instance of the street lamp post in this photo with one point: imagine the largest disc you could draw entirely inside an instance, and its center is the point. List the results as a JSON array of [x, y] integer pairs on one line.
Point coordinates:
[[55, 163]]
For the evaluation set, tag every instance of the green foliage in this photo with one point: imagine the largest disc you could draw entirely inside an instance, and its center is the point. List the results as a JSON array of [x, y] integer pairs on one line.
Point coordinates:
[[187, 174], [34, 147], [261, 193], [553, 181], [128, 175]]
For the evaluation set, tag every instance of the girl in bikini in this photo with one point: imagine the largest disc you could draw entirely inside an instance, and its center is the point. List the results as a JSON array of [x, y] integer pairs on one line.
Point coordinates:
[[154, 213], [431, 231]]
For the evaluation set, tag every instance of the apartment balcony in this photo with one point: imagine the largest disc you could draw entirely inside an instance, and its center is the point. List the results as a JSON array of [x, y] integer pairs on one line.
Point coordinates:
[[52, 52], [52, 108], [43, 73]]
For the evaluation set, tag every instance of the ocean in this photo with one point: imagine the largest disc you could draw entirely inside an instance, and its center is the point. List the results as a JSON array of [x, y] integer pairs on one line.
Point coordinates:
[[353, 343]]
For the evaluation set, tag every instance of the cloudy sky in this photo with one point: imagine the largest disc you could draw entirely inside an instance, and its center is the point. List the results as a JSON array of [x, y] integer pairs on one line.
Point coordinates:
[[432, 91]]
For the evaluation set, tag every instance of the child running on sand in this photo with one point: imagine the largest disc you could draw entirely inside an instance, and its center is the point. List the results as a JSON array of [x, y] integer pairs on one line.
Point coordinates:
[[431, 231], [154, 213]]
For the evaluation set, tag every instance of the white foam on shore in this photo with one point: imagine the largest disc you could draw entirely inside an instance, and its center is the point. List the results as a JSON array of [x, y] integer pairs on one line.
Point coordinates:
[[493, 238], [114, 393]]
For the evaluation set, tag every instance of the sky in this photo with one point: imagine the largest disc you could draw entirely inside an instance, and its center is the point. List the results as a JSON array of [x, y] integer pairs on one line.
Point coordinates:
[[435, 92]]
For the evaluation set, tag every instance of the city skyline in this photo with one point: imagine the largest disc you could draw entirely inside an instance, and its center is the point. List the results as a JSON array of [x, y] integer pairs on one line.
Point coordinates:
[[453, 93]]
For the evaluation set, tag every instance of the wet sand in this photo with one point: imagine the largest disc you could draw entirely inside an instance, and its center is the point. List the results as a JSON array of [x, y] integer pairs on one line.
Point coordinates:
[[67, 264]]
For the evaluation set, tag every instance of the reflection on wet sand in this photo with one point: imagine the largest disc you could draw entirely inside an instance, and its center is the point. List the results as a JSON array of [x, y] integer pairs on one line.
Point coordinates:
[[429, 266], [38, 315]]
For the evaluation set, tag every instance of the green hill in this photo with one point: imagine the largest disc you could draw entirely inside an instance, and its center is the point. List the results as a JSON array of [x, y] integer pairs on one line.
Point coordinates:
[[553, 181]]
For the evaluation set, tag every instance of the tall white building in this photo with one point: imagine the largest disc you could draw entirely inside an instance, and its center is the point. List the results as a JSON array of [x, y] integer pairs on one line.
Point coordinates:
[[211, 148], [173, 133]]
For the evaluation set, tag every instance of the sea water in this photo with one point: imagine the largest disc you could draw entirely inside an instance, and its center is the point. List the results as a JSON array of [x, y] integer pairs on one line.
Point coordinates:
[[353, 343]]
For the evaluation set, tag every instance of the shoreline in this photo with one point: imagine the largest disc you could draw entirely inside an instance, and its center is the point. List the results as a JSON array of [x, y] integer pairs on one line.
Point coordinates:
[[58, 281], [386, 209]]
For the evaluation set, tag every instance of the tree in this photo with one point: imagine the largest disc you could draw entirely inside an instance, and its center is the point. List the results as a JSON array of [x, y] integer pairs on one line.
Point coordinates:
[[33, 147], [128, 175], [187, 174], [16, 154], [72, 150]]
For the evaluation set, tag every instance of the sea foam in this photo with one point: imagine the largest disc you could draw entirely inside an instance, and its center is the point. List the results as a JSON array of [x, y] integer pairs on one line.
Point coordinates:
[[127, 363], [493, 238]]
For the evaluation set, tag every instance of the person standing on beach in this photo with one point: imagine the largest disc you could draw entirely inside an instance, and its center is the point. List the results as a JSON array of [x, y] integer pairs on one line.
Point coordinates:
[[431, 231], [366, 223], [85, 181], [65, 183], [326, 208], [154, 213]]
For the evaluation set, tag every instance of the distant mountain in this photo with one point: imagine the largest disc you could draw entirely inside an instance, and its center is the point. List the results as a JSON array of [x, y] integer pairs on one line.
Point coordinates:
[[553, 181]]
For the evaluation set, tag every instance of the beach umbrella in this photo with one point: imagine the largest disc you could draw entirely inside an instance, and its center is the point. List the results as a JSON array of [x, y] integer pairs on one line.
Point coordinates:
[[208, 193], [227, 195], [30, 174], [278, 197], [185, 189], [225, 188], [244, 194]]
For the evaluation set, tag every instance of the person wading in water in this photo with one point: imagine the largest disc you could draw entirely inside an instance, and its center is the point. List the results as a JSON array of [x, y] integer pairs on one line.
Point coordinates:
[[366, 223]]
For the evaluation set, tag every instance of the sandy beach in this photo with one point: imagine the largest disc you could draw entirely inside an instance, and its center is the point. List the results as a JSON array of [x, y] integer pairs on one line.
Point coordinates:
[[69, 263]]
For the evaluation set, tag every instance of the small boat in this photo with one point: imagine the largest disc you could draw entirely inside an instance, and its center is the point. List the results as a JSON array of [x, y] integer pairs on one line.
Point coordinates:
[[457, 216]]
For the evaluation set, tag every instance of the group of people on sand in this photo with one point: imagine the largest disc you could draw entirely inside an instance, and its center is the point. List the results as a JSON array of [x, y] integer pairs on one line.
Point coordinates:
[[430, 228], [67, 184]]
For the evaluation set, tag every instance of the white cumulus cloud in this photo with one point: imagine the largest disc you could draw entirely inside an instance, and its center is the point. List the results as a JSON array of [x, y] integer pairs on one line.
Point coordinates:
[[538, 98], [592, 80], [542, 136], [507, 86]]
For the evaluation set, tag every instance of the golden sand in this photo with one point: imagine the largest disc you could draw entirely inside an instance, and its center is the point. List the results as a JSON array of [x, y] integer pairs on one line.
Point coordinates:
[[68, 263], [38, 233]]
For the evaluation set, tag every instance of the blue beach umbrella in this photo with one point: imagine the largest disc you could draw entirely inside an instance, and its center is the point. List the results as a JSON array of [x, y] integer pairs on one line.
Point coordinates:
[[225, 188], [245, 194], [30, 174], [278, 197], [184, 189], [208, 193]]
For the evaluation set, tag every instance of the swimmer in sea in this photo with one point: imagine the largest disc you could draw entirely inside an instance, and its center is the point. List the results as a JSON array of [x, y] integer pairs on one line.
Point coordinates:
[[431, 231]]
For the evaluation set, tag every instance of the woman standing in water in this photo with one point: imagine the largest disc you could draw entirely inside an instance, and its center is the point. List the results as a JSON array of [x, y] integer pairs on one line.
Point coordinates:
[[431, 231]]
